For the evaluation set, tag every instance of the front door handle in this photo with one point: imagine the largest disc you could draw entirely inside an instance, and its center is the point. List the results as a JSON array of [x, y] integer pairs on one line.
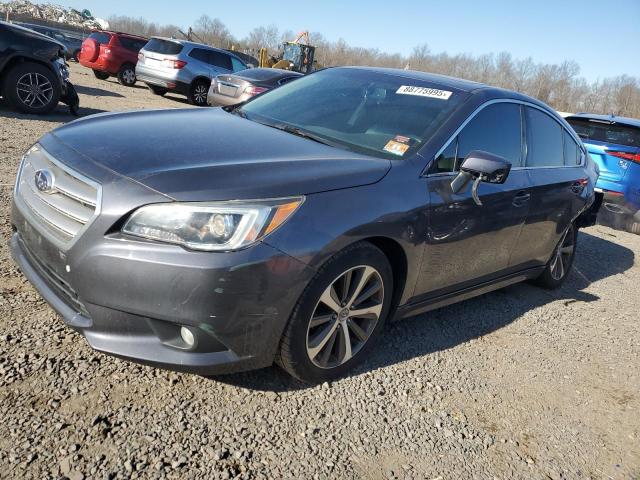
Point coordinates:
[[521, 199]]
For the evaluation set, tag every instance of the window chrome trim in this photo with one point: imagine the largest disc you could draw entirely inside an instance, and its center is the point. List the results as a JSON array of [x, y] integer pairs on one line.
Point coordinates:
[[523, 121]]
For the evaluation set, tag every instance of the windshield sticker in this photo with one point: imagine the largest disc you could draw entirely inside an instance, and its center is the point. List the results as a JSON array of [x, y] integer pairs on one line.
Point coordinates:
[[396, 148], [424, 92]]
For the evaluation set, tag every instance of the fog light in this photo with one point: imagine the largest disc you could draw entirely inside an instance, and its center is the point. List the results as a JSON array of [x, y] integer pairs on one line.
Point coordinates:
[[187, 336]]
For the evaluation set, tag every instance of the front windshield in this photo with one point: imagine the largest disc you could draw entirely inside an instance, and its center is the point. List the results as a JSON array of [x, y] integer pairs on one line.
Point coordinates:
[[377, 113]]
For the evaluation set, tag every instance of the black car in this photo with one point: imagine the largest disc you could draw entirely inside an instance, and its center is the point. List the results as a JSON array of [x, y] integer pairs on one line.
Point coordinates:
[[290, 229], [33, 73], [72, 43], [231, 89]]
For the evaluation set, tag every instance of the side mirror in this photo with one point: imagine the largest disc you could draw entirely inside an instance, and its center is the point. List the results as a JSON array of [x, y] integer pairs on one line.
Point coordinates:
[[481, 166]]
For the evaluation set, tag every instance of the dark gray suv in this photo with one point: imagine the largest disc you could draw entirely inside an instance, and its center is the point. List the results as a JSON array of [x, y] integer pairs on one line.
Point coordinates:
[[290, 229], [168, 65]]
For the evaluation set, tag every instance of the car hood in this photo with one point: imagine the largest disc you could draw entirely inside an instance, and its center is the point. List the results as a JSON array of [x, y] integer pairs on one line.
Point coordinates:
[[210, 154]]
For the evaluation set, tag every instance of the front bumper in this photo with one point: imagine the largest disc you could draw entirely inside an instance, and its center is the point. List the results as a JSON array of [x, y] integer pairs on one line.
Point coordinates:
[[131, 300]]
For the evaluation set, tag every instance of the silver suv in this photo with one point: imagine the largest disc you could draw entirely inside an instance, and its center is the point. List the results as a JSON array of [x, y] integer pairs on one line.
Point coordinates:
[[168, 65]]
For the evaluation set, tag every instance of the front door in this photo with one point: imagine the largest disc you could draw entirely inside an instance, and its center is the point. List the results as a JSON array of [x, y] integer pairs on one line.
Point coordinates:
[[467, 244]]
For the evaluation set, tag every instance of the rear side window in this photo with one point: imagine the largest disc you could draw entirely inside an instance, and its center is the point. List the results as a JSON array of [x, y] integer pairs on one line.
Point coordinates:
[[100, 37], [602, 131], [496, 129], [200, 54], [132, 44], [220, 60], [571, 150], [165, 47], [544, 140]]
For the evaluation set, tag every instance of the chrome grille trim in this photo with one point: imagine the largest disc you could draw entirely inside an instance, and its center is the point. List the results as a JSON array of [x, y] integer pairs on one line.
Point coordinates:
[[62, 214]]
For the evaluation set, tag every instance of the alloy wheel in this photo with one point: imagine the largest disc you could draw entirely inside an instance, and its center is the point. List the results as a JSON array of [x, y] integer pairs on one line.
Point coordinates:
[[563, 255], [200, 94], [129, 76], [34, 90], [345, 316]]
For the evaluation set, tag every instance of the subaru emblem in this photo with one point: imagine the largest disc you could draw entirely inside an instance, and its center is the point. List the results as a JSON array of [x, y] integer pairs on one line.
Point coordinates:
[[44, 181]]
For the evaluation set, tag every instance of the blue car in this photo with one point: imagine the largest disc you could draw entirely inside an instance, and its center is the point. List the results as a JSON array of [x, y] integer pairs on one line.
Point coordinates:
[[614, 144]]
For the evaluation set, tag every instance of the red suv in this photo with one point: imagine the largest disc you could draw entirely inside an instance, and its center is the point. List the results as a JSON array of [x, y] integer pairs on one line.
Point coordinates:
[[112, 54]]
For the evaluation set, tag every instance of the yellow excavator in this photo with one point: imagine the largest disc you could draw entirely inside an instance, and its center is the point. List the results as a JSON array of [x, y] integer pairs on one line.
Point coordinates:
[[297, 55]]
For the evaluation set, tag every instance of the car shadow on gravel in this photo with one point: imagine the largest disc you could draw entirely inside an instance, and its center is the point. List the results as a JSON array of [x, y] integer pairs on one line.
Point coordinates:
[[97, 92], [447, 327], [60, 115]]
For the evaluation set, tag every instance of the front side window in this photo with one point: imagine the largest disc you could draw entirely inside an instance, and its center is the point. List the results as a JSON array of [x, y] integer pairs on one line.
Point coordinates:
[[371, 112], [495, 129], [544, 140]]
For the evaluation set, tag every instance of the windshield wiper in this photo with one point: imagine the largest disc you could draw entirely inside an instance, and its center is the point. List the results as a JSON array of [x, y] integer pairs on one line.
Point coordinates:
[[301, 133]]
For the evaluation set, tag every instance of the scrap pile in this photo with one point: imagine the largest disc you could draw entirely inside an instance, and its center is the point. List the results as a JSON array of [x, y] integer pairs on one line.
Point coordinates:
[[23, 10]]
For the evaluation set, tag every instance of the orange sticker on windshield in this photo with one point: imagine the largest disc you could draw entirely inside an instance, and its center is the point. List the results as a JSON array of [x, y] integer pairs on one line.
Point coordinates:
[[396, 148]]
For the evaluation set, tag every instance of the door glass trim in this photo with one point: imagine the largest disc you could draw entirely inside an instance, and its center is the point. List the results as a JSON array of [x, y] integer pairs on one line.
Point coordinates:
[[425, 173]]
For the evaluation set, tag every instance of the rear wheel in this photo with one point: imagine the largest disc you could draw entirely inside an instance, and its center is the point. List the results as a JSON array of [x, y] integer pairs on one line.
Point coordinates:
[[100, 75], [339, 316], [198, 93], [157, 90], [127, 75], [561, 261], [32, 88]]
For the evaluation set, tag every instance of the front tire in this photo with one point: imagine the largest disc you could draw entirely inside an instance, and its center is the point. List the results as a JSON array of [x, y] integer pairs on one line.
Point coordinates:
[[559, 266], [32, 88], [157, 90], [198, 93], [127, 75], [339, 316], [100, 75]]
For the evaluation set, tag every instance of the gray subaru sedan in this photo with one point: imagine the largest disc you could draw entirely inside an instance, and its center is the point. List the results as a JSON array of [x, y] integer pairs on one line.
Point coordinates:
[[291, 228]]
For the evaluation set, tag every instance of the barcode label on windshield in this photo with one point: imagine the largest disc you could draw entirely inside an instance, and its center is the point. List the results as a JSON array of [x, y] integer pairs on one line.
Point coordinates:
[[424, 92]]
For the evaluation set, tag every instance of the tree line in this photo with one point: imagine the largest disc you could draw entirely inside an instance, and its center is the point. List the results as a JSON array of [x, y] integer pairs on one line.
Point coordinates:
[[559, 85]]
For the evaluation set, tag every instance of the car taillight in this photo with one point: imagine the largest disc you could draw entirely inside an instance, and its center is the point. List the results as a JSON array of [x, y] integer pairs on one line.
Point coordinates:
[[140, 56], [251, 90], [632, 157], [106, 51], [177, 64]]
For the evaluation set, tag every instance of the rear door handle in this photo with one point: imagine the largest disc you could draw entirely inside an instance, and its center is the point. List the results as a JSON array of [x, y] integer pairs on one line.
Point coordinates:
[[521, 199]]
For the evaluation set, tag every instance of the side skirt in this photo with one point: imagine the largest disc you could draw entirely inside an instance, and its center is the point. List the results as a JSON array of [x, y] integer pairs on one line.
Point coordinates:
[[412, 309]]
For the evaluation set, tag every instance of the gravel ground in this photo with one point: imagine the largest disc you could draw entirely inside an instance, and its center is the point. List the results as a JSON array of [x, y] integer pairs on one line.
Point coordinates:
[[519, 383]]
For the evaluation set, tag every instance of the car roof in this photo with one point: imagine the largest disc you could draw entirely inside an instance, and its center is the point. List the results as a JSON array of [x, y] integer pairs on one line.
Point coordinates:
[[122, 34], [634, 122], [188, 43], [266, 73]]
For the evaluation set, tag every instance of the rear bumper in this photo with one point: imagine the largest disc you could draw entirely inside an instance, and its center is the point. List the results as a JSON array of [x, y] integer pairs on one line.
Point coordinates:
[[237, 323], [102, 64], [171, 80]]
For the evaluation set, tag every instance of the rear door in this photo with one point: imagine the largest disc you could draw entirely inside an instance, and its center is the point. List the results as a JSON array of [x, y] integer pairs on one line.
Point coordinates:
[[553, 164], [468, 244]]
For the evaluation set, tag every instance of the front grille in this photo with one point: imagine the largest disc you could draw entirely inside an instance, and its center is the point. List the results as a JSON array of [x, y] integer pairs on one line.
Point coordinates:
[[65, 208]]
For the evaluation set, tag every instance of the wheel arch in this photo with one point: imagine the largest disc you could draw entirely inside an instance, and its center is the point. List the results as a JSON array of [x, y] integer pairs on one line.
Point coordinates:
[[399, 266], [17, 60]]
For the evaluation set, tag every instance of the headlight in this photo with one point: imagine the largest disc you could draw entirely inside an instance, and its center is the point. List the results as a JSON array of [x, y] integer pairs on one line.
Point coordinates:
[[211, 226]]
